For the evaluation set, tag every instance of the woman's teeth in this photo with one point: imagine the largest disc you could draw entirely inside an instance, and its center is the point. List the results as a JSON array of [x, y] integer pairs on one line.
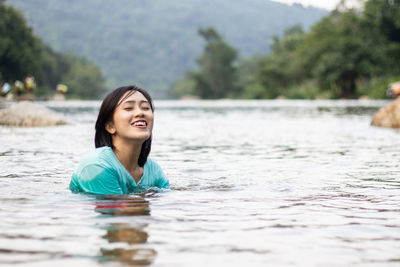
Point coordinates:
[[140, 123]]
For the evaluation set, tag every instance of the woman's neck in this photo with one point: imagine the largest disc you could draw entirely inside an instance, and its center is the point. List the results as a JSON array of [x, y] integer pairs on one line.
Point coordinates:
[[128, 154]]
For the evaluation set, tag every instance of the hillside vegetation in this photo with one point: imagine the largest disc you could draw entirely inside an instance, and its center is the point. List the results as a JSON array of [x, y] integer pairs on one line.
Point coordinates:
[[348, 54], [152, 43], [22, 53]]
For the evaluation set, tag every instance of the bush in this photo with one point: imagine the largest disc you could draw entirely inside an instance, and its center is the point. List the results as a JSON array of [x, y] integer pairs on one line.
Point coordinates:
[[307, 90], [376, 87]]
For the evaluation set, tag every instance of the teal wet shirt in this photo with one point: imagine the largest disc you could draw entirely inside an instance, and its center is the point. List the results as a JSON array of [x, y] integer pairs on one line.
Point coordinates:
[[100, 172]]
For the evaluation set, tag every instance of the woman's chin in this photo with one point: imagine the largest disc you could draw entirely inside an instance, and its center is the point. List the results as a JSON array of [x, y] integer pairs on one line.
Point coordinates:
[[140, 137], [137, 138]]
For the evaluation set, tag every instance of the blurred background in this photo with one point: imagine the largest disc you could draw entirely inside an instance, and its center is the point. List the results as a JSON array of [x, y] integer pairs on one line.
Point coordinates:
[[250, 49]]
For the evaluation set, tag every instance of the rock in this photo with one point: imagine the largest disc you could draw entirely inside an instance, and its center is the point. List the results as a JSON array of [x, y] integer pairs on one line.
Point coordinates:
[[28, 113], [364, 98], [393, 89], [58, 97], [190, 97], [388, 116], [26, 97]]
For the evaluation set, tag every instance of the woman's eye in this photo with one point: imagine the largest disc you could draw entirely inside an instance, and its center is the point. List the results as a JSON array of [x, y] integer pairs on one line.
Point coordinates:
[[145, 108], [128, 108]]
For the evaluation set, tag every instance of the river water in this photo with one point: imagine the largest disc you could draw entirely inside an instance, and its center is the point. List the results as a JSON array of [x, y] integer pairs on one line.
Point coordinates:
[[253, 183]]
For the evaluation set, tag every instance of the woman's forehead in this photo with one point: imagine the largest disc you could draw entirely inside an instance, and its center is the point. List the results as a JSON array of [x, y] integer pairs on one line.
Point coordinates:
[[134, 96]]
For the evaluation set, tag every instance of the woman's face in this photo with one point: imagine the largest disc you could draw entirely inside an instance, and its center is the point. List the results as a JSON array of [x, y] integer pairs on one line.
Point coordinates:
[[133, 118]]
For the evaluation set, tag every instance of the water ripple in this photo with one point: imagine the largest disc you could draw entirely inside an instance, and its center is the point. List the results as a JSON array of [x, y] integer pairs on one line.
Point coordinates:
[[303, 183]]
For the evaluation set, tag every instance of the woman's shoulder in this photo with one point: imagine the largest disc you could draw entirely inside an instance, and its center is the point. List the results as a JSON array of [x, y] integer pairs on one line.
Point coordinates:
[[152, 167], [155, 174], [100, 157], [96, 173], [152, 164]]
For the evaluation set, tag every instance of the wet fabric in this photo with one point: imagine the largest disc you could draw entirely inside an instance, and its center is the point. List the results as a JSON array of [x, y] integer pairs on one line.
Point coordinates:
[[100, 172]]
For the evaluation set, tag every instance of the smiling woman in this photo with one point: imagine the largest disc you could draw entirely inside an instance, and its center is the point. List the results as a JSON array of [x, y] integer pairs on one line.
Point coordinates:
[[120, 163]]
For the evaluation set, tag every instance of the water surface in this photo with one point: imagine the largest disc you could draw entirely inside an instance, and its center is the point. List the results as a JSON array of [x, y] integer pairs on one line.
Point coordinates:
[[253, 183]]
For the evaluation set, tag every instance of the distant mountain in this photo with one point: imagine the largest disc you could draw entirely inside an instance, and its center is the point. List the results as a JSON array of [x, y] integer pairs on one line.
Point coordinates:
[[153, 42]]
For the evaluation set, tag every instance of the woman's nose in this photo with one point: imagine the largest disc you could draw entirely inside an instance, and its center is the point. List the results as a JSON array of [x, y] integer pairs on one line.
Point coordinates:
[[139, 112]]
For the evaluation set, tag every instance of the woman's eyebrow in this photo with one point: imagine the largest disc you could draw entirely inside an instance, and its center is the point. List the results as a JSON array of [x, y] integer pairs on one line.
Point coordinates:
[[134, 101]]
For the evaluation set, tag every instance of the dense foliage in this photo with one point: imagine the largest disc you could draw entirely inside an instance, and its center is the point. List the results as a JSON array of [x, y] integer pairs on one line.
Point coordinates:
[[152, 43], [22, 53], [18, 47], [347, 54], [216, 76]]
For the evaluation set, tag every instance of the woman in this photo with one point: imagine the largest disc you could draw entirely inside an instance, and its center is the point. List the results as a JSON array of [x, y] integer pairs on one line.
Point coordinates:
[[119, 164]]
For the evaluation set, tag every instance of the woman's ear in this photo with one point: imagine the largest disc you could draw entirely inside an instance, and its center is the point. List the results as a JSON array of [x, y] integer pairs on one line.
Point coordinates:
[[110, 128]]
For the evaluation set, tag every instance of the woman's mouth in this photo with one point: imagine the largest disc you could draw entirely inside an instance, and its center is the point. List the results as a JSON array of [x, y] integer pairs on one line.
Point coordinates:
[[140, 124]]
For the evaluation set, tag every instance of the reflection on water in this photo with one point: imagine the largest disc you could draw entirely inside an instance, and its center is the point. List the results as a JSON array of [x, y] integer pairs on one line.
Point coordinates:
[[122, 232], [123, 205], [132, 257], [253, 183], [129, 236]]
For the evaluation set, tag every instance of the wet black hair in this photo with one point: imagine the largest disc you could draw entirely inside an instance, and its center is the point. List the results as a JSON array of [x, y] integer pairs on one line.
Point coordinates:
[[111, 101]]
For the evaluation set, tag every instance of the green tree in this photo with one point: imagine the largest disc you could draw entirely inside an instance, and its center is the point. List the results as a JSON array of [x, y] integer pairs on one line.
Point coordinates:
[[217, 73], [339, 51], [381, 18], [347, 53], [83, 78], [18, 46], [282, 68], [248, 83], [52, 67], [184, 87], [21, 53], [154, 48]]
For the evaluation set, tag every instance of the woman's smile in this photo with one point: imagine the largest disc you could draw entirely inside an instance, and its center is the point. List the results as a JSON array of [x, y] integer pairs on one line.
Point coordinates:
[[140, 124]]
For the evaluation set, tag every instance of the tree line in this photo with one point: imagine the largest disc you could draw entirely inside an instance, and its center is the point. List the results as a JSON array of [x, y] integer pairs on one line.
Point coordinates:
[[152, 43], [22, 53], [349, 53]]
